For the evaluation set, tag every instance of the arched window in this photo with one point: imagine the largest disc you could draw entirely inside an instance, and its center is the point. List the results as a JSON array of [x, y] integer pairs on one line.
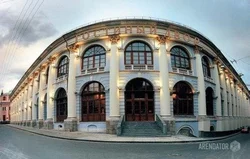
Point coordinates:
[[180, 58], [93, 102], [205, 67], [45, 107], [38, 81], [182, 99], [138, 53], [47, 75], [63, 67], [209, 101], [94, 57], [61, 105]]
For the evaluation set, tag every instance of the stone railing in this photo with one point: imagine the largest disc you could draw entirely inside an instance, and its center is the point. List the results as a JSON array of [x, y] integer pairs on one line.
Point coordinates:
[[182, 71], [61, 78], [161, 124], [139, 67], [120, 126], [92, 70], [207, 78]]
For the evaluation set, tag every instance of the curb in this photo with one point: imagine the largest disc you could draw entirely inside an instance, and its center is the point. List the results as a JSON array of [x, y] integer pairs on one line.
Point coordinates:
[[105, 141]]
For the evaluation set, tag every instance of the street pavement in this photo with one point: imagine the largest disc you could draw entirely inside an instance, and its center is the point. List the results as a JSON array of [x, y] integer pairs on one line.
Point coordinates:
[[19, 144]]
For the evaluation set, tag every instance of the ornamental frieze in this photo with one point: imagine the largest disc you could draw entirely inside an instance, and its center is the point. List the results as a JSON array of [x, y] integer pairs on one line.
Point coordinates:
[[171, 34]]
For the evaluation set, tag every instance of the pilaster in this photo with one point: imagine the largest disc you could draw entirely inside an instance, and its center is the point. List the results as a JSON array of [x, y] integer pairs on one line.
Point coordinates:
[[217, 90], [70, 124], [164, 78], [34, 99], [50, 94], [114, 115], [201, 83]]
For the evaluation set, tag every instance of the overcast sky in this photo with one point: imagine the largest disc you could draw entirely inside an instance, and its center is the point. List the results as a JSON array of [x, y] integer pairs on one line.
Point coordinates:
[[27, 27]]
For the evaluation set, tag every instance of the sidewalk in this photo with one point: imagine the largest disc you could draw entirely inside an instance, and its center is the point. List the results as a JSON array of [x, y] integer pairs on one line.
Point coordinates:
[[102, 137]]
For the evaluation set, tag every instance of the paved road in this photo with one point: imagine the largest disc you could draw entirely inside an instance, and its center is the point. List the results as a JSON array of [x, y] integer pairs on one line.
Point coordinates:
[[18, 144]]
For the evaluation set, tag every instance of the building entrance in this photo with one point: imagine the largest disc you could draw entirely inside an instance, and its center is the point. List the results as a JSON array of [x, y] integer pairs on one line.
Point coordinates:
[[139, 100]]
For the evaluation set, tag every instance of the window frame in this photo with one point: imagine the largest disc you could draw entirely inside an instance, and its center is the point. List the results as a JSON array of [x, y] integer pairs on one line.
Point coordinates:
[[139, 52], [175, 57], [179, 102], [96, 98], [61, 101], [205, 67], [209, 102], [93, 57], [64, 66], [47, 76]]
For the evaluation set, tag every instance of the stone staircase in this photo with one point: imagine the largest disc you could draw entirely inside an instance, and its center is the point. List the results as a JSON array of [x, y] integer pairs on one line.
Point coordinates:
[[141, 129]]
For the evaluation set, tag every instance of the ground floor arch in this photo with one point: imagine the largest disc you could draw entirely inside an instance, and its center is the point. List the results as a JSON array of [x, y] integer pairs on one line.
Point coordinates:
[[61, 105], [183, 99], [139, 100], [93, 102]]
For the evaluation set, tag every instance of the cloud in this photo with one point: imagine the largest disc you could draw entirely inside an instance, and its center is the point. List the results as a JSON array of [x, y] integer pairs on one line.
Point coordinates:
[[23, 34]]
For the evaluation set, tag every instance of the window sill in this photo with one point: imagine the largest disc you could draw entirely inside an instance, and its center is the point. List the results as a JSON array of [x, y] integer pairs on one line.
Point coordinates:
[[61, 78], [185, 116], [182, 71], [139, 67], [92, 70]]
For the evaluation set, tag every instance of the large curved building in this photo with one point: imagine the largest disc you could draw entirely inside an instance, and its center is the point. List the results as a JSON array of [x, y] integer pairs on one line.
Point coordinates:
[[100, 76]]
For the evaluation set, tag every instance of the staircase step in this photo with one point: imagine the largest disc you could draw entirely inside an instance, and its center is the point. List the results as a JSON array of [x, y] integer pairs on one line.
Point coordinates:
[[142, 129]]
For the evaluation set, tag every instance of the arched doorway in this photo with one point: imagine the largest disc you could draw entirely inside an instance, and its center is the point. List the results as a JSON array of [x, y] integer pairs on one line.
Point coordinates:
[[45, 107], [183, 99], [209, 101], [139, 100], [93, 102], [61, 105]]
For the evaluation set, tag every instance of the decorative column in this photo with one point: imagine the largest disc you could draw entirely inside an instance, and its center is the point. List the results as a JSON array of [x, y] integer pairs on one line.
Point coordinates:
[[217, 91], [114, 115], [219, 122], [164, 79], [70, 124], [34, 100], [165, 110], [204, 123], [241, 107], [26, 107], [201, 83], [41, 98], [224, 94], [29, 102], [50, 95], [22, 107], [229, 96]]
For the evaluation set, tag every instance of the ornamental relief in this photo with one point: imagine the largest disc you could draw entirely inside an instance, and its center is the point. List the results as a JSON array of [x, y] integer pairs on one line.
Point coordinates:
[[170, 33], [161, 39], [114, 38], [73, 47]]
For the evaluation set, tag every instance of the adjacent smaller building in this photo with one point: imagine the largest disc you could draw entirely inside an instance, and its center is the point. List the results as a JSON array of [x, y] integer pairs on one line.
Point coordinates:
[[4, 108]]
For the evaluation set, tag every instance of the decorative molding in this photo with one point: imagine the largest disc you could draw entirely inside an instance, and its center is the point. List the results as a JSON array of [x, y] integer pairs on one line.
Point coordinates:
[[197, 49], [114, 38], [73, 48], [197, 92], [161, 39], [51, 59]]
